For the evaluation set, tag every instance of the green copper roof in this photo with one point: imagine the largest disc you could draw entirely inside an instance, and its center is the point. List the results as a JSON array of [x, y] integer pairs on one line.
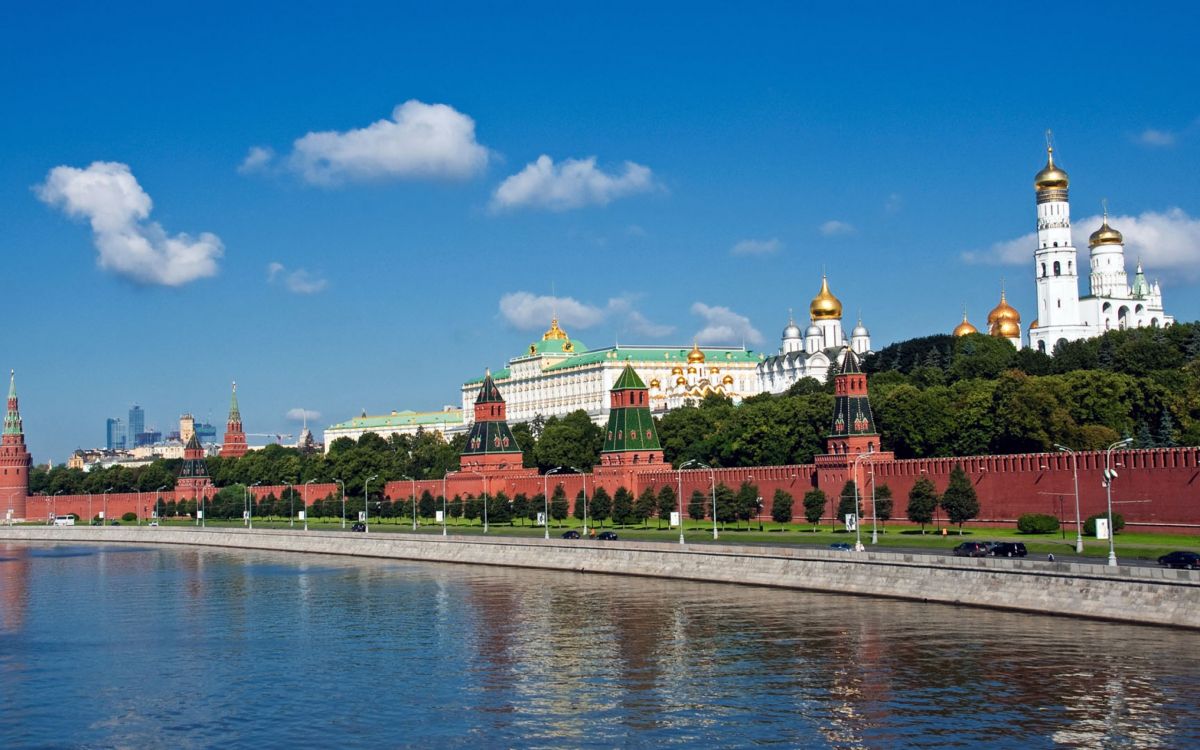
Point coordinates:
[[713, 356], [407, 418], [850, 364], [489, 393], [491, 437], [852, 416], [631, 429], [629, 380], [498, 375], [235, 415], [12, 420], [556, 346], [1141, 287]]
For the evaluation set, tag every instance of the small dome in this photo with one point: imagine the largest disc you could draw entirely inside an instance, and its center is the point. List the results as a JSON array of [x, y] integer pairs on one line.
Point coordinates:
[[1003, 312], [695, 355], [554, 333], [654, 383], [680, 380], [1007, 329], [727, 380], [677, 370], [1051, 177], [792, 331], [1105, 235], [825, 306], [1033, 325], [860, 331], [965, 328]]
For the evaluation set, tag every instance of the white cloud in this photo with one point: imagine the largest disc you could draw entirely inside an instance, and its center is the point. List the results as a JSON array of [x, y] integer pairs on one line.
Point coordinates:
[[525, 311], [835, 228], [1166, 241], [724, 326], [757, 247], [639, 324], [299, 414], [110, 198], [298, 281], [257, 159], [420, 141], [1159, 138], [572, 183]]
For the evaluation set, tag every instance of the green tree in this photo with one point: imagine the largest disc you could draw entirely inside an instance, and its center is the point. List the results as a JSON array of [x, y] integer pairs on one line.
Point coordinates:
[[960, 501], [573, 440], [847, 501], [814, 506], [781, 506], [522, 507], [559, 505], [747, 501], [668, 503], [601, 506], [922, 500], [500, 509], [697, 507], [883, 503], [645, 506], [456, 507], [581, 508], [622, 506], [727, 508], [426, 506]]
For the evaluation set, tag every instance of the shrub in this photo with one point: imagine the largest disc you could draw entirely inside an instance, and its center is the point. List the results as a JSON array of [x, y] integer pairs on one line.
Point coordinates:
[[1089, 526], [129, 517], [1037, 523]]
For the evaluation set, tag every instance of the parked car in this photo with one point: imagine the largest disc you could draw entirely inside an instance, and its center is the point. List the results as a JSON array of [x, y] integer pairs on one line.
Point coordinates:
[[971, 549], [607, 536], [841, 546], [1007, 549], [570, 534], [358, 526], [1181, 559], [154, 523]]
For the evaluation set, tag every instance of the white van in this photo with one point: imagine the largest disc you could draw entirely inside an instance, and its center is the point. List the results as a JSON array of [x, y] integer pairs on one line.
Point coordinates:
[[64, 520]]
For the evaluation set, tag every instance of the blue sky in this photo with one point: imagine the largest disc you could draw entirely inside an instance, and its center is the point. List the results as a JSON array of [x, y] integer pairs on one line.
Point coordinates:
[[736, 153]]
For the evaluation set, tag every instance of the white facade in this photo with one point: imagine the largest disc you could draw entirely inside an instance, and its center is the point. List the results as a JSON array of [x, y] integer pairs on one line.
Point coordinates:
[[1112, 301], [810, 355]]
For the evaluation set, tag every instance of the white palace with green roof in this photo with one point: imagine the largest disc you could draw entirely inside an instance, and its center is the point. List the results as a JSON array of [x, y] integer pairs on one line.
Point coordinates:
[[558, 375]]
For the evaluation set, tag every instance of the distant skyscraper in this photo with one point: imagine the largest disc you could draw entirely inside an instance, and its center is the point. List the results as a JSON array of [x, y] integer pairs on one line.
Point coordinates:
[[114, 434], [136, 426]]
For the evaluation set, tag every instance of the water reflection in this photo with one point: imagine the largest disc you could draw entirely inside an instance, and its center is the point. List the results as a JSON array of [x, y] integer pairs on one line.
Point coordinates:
[[197, 647]]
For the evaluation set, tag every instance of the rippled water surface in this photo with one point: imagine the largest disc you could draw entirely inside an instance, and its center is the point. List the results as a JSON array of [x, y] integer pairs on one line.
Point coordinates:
[[171, 648]]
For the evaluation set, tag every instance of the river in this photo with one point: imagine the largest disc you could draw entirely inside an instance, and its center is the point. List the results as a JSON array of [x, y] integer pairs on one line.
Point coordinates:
[[193, 648]]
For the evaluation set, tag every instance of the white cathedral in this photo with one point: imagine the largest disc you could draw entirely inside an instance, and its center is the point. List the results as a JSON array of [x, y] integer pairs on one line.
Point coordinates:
[[1063, 315], [811, 353]]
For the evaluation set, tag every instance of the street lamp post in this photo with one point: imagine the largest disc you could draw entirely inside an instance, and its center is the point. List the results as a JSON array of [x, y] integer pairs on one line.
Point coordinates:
[[485, 497], [679, 497], [55, 501], [158, 510], [250, 503], [291, 505], [343, 486], [367, 503], [1109, 476], [713, 477], [1075, 473], [858, 545], [874, 515], [546, 494], [443, 503], [306, 502], [110, 489], [46, 498], [89, 507]]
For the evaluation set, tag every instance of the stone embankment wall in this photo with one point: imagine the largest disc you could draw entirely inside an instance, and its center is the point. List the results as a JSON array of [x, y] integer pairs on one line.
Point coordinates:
[[1130, 594]]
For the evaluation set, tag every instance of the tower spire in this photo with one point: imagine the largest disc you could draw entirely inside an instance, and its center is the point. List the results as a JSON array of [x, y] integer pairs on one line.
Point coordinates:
[[235, 414], [234, 443], [12, 420]]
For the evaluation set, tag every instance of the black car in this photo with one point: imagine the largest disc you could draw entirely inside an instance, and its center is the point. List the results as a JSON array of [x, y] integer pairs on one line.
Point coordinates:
[[607, 536], [359, 526], [1007, 549], [570, 534], [1181, 559], [840, 546], [971, 549]]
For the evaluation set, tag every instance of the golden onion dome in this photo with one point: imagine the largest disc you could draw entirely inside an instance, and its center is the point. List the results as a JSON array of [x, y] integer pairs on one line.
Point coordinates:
[[1003, 312], [654, 383], [676, 370], [1033, 325], [680, 380], [1106, 235], [695, 355], [727, 380], [1007, 329], [825, 306], [1051, 177], [554, 333], [964, 328]]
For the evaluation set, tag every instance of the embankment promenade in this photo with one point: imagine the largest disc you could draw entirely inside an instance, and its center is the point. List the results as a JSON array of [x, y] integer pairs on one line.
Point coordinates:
[[1143, 595]]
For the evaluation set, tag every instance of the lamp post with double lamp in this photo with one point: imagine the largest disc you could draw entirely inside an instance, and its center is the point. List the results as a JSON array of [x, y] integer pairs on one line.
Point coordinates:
[[858, 545], [105, 519], [342, 484], [367, 503], [1109, 476], [54, 510], [250, 504], [306, 502], [546, 495], [444, 503], [413, 497], [679, 497], [713, 476], [874, 515], [158, 510], [485, 496], [1075, 473]]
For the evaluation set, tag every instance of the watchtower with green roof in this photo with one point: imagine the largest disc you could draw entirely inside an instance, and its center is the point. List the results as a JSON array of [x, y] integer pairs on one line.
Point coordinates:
[[630, 438], [14, 458], [490, 444], [853, 430], [234, 444], [193, 475]]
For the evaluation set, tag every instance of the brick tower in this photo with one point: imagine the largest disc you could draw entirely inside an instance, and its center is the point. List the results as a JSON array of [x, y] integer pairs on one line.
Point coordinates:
[[853, 424], [630, 438], [193, 477], [234, 443], [14, 459], [490, 446]]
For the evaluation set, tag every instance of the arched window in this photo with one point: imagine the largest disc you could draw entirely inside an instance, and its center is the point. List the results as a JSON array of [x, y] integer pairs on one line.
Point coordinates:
[[1043, 269], [1057, 268], [1069, 266], [1042, 347]]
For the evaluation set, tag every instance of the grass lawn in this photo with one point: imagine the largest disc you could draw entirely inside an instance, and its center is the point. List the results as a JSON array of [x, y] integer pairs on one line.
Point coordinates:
[[1136, 545]]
